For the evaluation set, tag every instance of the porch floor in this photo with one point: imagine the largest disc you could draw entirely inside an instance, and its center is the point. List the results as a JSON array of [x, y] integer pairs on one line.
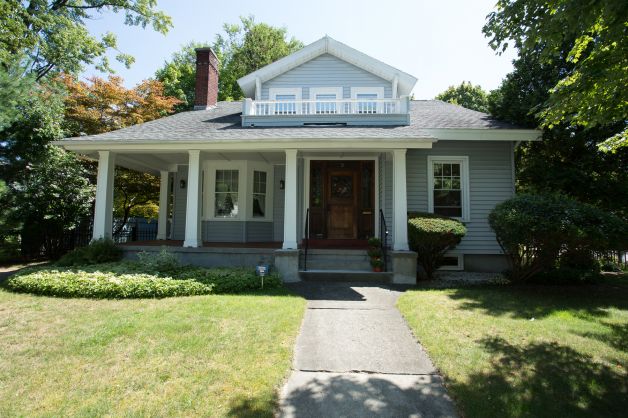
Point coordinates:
[[179, 243]]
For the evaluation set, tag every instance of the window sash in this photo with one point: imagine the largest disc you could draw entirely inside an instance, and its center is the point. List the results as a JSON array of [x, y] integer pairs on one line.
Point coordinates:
[[260, 179], [226, 193], [449, 187]]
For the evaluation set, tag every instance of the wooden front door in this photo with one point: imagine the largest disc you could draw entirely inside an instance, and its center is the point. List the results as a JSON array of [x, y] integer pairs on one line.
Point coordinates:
[[342, 198], [341, 203]]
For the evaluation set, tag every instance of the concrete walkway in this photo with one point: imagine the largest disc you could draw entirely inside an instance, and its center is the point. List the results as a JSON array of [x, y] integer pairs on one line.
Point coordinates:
[[356, 357]]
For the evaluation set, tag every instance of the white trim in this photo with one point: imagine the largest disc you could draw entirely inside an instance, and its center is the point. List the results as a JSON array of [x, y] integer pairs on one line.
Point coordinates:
[[306, 185], [327, 45], [484, 134], [192, 210], [253, 144], [464, 182], [162, 221], [290, 226], [400, 201], [103, 207], [457, 267], [245, 189], [274, 91], [367, 90], [338, 91]]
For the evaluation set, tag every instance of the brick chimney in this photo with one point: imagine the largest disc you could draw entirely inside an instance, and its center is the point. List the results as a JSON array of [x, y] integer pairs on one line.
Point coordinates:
[[206, 91]]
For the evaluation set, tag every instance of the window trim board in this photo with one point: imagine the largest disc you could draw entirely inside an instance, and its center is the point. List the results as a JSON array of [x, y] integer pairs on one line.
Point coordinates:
[[464, 181]]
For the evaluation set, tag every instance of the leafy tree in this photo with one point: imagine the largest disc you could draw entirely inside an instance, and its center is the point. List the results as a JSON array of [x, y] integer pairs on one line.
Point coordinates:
[[53, 35], [466, 95], [592, 37], [247, 47], [179, 76], [567, 159], [103, 105], [241, 49], [52, 198], [135, 195], [15, 89]]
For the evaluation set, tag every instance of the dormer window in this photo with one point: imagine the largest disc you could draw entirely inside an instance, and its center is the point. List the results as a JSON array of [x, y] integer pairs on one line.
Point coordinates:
[[325, 100], [286, 99], [366, 99]]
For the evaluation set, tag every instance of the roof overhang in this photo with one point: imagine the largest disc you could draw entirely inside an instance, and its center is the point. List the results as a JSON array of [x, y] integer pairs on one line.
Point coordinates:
[[482, 134], [328, 45]]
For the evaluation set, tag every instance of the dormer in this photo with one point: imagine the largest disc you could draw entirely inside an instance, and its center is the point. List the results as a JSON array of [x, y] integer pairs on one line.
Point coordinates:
[[326, 83]]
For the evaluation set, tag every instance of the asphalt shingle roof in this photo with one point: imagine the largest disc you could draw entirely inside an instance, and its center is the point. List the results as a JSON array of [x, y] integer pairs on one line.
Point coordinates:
[[224, 122]]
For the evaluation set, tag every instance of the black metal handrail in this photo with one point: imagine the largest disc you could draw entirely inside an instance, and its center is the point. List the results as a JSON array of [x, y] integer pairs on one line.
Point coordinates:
[[306, 240], [383, 232]]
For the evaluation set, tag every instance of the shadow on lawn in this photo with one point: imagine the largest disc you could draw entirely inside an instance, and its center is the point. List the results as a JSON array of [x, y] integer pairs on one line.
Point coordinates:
[[537, 301], [543, 380]]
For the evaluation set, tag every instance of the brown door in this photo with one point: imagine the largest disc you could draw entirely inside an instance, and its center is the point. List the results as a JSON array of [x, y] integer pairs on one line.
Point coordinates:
[[342, 191]]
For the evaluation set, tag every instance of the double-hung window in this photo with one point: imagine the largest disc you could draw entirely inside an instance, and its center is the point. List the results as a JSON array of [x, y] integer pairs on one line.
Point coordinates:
[[259, 194], [287, 100], [226, 193], [367, 100], [448, 186], [325, 100]]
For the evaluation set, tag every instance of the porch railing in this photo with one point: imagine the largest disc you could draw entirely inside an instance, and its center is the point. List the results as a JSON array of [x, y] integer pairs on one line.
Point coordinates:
[[383, 235], [306, 239], [325, 107]]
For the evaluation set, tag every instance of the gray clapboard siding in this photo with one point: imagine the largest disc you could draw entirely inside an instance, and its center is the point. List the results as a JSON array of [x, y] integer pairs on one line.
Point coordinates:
[[326, 71], [278, 203], [224, 231], [490, 182], [259, 231], [180, 203]]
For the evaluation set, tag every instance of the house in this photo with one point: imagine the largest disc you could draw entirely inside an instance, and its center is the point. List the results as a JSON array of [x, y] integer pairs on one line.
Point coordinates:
[[326, 146]]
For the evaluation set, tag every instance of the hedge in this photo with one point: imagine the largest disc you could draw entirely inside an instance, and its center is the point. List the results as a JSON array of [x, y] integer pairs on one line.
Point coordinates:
[[431, 236], [131, 280]]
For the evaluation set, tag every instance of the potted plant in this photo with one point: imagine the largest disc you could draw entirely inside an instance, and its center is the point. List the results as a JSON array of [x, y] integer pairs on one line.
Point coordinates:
[[377, 264], [375, 253]]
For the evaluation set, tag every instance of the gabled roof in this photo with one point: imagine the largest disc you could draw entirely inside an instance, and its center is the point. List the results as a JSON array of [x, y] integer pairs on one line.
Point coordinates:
[[328, 45]]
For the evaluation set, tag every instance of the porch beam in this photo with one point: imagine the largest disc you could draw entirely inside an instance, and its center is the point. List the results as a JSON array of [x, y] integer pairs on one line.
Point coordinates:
[[193, 209], [290, 227], [400, 201], [103, 211], [162, 221]]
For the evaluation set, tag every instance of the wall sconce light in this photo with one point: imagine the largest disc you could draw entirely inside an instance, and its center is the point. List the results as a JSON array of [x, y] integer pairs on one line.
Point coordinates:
[[282, 184], [182, 184]]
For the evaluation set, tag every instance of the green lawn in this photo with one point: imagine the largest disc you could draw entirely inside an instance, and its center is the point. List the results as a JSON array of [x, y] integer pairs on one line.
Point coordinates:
[[528, 351], [222, 355]]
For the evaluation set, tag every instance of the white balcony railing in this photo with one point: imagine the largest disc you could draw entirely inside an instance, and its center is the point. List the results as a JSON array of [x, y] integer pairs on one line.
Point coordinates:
[[325, 107]]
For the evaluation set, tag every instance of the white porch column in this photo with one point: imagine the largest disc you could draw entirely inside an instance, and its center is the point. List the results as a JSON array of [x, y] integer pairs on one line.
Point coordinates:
[[400, 201], [162, 221], [290, 211], [103, 213], [193, 209]]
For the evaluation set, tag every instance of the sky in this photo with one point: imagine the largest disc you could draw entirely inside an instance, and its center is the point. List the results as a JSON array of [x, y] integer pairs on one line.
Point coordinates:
[[440, 42]]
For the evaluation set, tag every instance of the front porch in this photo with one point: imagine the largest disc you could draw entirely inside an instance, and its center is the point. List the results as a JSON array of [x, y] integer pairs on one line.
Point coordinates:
[[243, 208]]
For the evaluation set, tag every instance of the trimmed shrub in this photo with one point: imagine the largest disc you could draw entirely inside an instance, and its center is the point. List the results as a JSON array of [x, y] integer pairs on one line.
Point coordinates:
[[431, 236], [103, 284], [547, 233], [127, 280], [99, 251], [161, 262]]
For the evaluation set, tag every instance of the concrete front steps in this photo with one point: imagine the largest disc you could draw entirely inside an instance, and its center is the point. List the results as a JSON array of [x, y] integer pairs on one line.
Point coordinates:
[[339, 265]]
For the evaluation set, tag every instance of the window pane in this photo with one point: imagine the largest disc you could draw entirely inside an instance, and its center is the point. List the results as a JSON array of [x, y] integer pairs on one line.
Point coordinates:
[[226, 204], [447, 211], [447, 198], [227, 182], [259, 182], [259, 205], [328, 105], [365, 105], [286, 108], [447, 192]]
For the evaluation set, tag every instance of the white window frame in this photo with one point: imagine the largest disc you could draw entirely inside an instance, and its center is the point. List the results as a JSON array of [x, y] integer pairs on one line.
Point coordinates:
[[464, 182], [457, 267], [379, 91], [245, 189], [296, 91], [338, 91], [253, 166]]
